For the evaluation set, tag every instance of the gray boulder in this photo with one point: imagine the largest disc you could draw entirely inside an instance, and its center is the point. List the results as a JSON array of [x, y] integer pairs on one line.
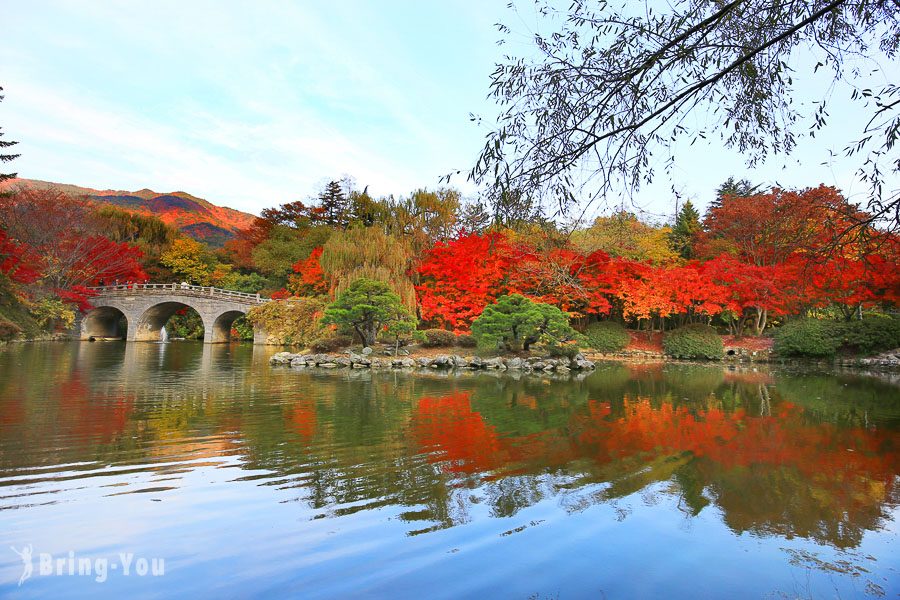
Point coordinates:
[[282, 358], [583, 364]]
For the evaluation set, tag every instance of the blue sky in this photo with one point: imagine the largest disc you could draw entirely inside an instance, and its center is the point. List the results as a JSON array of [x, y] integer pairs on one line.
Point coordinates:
[[256, 107]]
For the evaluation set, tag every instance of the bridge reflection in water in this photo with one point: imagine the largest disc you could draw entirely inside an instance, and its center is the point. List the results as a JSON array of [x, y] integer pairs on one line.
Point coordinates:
[[138, 312]]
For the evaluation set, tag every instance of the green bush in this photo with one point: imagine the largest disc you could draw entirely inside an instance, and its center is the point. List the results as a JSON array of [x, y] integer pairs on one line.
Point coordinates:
[[869, 336], [187, 325], [243, 328], [8, 330], [694, 341], [465, 340], [331, 343], [607, 336], [568, 350], [438, 338], [293, 321], [52, 314], [807, 337]]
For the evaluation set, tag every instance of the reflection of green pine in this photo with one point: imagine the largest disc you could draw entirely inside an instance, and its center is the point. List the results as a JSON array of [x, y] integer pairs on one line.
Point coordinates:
[[692, 485]]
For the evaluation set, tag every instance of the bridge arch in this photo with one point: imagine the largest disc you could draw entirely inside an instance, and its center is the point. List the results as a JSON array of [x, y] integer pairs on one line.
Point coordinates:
[[104, 322], [221, 327], [154, 318]]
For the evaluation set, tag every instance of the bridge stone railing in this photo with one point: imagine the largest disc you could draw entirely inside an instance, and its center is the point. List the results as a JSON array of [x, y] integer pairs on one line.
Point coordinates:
[[198, 291]]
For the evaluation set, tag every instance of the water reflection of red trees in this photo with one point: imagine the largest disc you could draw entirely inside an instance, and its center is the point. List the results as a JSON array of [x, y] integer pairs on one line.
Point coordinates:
[[302, 419], [90, 415], [457, 436], [734, 439], [782, 472]]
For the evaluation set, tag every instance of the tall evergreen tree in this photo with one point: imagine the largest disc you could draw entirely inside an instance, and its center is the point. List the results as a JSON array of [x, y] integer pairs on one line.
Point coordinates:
[[735, 189], [6, 157], [333, 204], [687, 224]]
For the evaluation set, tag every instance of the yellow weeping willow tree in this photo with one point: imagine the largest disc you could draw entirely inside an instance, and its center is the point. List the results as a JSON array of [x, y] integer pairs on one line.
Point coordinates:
[[371, 253]]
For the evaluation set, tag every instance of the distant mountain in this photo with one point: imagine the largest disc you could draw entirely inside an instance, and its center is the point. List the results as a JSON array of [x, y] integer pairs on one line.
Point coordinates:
[[196, 217]]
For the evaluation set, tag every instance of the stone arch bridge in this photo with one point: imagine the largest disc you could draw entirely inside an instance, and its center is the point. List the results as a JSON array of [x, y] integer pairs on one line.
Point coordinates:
[[137, 312]]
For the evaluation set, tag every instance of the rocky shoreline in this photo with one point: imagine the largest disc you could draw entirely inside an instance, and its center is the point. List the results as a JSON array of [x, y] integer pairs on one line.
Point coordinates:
[[364, 360]]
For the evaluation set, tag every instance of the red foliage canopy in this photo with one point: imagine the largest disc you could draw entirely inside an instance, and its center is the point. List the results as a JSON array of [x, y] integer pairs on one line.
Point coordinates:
[[16, 261], [462, 276], [309, 279]]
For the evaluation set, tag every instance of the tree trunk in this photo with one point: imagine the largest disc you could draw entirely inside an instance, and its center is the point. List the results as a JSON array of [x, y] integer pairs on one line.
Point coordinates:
[[368, 331]]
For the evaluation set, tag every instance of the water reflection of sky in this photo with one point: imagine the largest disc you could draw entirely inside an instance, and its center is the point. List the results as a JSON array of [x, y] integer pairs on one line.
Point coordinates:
[[643, 480]]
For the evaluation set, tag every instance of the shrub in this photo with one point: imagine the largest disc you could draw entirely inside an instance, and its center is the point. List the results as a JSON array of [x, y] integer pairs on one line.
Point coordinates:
[[438, 338], [807, 337], [53, 314], [569, 350], [694, 341], [607, 336], [8, 330], [242, 329], [465, 340], [517, 322], [185, 324], [294, 321], [869, 336], [331, 343]]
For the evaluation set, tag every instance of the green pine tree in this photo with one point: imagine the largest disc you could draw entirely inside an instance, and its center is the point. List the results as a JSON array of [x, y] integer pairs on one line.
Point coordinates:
[[366, 307], [736, 189], [516, 323], [334, 205], [6, 157], [687, 224]]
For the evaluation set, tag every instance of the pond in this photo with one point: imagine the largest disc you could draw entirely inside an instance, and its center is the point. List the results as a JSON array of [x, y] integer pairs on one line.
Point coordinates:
[[160, 470]]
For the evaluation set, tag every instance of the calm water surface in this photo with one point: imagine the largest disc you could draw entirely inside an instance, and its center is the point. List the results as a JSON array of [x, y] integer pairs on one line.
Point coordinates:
[[636, 481]]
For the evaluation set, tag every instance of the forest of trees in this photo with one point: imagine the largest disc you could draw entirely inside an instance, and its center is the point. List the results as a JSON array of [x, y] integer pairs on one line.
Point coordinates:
[[756, 258]]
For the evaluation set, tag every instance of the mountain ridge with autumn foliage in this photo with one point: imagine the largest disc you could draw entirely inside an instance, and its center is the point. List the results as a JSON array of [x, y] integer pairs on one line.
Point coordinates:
[[196, 217]]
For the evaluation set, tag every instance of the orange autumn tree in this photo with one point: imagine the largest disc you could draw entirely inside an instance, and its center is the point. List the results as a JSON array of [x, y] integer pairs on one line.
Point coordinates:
[[578, 284], [789, 252], [308, 278], [458, 278]]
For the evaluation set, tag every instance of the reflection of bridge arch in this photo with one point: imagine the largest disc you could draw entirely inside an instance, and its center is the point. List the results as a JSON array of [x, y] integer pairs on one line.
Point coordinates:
[[146, 308]]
